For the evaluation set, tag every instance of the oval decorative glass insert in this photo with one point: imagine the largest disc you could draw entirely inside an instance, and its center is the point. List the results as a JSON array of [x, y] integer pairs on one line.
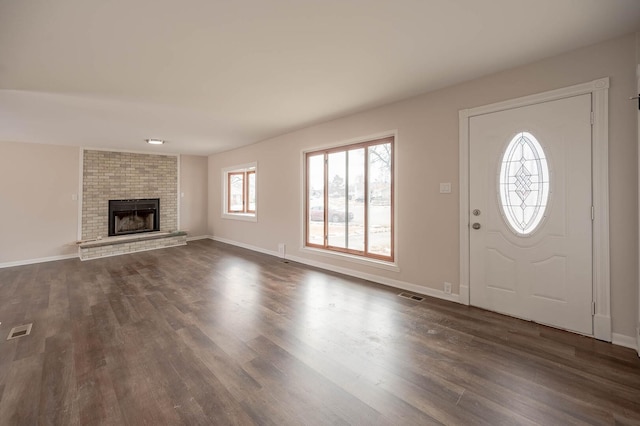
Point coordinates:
[[524, 183]]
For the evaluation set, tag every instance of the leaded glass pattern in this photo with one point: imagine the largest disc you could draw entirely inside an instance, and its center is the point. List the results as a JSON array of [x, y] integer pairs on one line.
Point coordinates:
[[524, 183]]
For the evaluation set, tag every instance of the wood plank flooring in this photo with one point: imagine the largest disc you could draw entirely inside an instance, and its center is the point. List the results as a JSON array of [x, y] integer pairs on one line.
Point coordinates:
[[213, 334]]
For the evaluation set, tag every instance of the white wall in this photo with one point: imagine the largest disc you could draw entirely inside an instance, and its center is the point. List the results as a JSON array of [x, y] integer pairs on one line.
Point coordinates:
[[38, 217], [427, 153], [194, 193]]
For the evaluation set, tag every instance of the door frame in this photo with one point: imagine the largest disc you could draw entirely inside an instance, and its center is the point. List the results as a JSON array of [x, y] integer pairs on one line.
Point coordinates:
[[599, 90], [638, 324]]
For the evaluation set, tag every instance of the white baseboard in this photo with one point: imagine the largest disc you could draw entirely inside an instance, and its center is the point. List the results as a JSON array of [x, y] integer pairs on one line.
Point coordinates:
[[247, 246], [402, 285], [200, 237], [38, 260], [624, 340]]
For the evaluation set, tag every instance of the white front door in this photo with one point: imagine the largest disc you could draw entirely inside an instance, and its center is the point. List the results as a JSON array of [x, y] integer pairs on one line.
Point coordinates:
[[530, 199]]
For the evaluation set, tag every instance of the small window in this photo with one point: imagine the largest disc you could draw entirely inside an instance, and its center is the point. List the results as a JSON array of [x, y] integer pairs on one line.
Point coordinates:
[[239, 194], [524, 184]]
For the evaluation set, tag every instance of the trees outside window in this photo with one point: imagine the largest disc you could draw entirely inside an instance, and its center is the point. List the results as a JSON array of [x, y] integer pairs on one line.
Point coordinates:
[[349, 199]]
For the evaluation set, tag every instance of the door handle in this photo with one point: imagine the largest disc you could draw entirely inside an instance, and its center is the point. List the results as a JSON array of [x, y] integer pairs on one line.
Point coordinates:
[[476, 225]]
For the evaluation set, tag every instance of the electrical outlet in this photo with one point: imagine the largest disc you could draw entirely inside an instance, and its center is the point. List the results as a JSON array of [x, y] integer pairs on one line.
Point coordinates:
[[447, 287], [282, 249]]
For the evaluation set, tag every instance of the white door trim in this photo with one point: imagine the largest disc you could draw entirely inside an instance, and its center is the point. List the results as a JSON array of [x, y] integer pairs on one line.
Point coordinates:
[[599, 89], [638, 325]]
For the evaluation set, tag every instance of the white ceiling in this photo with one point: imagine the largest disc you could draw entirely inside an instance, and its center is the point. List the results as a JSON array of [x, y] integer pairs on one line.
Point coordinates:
[[211, 75]]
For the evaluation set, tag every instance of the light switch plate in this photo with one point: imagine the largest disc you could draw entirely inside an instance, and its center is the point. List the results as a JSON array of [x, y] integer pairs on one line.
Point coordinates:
[[445, 188]]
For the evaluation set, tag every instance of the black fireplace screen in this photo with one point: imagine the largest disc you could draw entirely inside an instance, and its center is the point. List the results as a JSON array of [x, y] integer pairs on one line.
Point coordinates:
[[134, 216]]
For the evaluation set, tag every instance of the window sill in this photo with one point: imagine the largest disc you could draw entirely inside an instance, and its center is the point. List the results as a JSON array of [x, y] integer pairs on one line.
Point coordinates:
[[375, 263], [240, 216]]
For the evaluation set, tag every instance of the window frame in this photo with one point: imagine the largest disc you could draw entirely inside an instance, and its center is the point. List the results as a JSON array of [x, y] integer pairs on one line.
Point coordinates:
[[359, 255], [544, 194], [245, 170]]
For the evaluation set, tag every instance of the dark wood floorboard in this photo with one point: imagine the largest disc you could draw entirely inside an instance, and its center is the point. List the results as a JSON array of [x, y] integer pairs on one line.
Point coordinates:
[[213, 334]]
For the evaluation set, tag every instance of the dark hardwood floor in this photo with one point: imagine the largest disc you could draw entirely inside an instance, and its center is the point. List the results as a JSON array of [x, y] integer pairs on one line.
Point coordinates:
[[214, 334]]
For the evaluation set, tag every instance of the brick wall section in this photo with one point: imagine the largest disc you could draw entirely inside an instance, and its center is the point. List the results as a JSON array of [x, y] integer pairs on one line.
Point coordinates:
[[122, 176], [117, 249]]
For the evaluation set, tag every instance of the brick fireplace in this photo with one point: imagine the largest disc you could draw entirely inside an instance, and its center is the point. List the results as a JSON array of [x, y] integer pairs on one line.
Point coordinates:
[[122, 176]]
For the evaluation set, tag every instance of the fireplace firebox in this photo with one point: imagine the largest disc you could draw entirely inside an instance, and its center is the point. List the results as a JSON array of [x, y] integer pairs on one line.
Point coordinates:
[[134, 216]]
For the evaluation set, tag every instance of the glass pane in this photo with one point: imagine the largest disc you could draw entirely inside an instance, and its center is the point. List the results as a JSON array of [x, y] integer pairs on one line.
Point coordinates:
[[356, 200], [315, 202], [236, 192], [524, 183], [337, 208], [251, 191], [379, 207]]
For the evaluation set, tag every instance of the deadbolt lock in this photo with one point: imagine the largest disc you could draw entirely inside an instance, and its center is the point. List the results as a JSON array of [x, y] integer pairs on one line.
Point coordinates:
[[476, 212]]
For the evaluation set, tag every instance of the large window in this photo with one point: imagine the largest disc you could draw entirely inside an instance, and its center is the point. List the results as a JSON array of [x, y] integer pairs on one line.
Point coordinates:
[[349, 199], [240, 191]]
